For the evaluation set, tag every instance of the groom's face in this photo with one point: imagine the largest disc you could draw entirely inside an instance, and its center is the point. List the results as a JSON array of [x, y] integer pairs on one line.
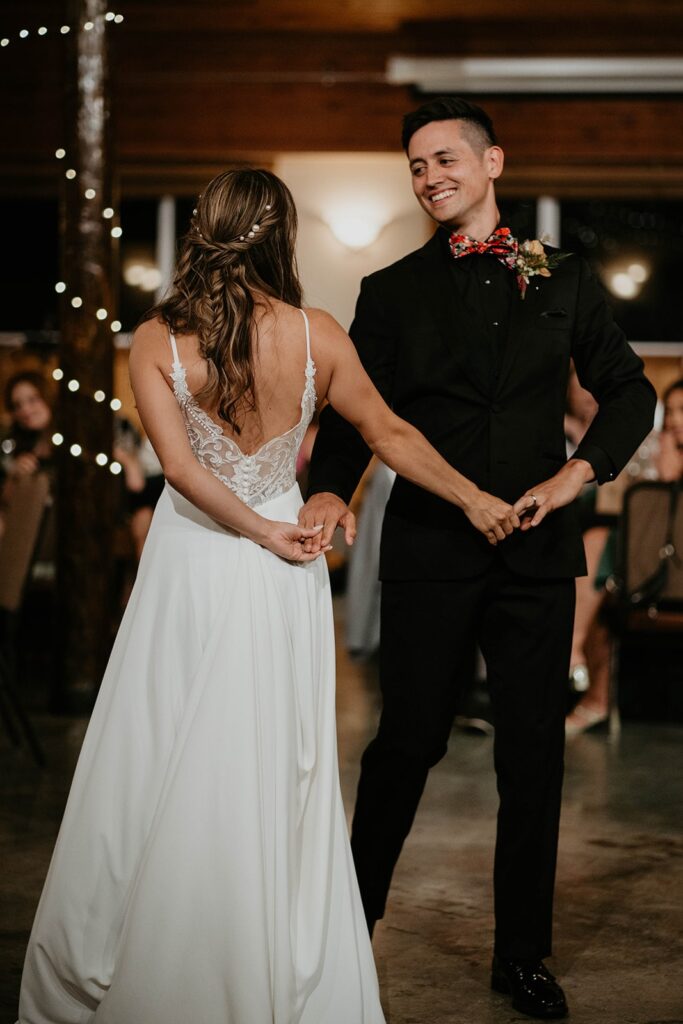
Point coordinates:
[[453, 171]]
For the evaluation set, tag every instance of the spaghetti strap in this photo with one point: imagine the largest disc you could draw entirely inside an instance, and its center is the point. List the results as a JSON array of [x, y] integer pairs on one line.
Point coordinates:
[[176, 359], [308, 336]]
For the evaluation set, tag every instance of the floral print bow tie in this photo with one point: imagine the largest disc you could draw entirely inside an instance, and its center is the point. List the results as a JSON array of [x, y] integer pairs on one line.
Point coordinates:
[[526, 260], [502, 244]]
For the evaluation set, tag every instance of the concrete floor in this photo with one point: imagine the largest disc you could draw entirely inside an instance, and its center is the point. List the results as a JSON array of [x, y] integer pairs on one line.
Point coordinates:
[[619, 941]]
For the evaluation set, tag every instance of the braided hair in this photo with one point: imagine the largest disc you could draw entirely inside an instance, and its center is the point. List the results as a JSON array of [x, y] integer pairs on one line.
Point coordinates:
[[241, 241]]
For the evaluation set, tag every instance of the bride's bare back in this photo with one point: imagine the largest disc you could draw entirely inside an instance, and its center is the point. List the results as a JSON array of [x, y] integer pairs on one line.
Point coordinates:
[[279, 350]]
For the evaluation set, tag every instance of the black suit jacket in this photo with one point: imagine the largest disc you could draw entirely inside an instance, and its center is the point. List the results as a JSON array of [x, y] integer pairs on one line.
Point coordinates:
[[423, 350]]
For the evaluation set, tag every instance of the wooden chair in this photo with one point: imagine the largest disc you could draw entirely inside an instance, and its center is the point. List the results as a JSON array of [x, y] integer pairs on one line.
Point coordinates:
[[646, 600], [25, 515]]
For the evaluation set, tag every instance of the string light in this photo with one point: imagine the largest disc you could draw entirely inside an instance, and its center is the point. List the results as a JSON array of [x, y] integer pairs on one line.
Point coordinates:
[[70, 174], [42, 30]]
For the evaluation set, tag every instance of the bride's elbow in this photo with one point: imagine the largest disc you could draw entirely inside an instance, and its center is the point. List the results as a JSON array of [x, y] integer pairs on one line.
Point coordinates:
[[175, 474]]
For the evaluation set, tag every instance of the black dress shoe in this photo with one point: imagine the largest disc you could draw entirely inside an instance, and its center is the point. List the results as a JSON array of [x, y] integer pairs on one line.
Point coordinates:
[[533, 989]]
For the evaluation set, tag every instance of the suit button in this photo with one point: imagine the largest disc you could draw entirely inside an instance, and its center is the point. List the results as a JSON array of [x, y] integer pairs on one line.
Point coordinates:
[[496, 407]]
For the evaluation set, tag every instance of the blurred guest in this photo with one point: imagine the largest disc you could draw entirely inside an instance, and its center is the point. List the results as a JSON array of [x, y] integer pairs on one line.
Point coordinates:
[[669, 460], [591, 645], [363, 587], [142, 502], [27, 446]]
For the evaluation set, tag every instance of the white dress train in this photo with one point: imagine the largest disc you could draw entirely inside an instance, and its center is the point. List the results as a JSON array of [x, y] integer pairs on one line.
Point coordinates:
[[203, 871]]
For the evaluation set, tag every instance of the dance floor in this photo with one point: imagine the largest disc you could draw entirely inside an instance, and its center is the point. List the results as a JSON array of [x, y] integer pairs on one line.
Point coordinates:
[[618, 943]]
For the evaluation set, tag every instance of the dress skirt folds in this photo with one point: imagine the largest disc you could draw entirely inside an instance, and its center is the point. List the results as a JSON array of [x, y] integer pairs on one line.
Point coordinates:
[[203, 873]]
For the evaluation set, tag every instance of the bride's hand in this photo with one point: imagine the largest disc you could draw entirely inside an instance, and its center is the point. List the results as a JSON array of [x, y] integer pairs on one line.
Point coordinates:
[[287, 540], [494, 518]]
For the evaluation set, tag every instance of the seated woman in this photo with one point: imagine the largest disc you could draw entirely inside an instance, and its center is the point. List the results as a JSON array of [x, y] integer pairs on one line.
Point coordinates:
[[28, 445], [590, 634]]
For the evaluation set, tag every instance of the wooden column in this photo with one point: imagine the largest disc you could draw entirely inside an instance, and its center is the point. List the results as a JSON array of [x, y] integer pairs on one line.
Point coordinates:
[[86, 491]]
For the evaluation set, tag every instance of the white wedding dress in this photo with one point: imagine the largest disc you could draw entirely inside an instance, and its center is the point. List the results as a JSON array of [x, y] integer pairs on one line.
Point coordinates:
[[203, 872]]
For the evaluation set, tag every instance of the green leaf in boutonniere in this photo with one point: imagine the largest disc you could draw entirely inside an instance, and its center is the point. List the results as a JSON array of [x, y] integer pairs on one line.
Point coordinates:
[[532, 260]]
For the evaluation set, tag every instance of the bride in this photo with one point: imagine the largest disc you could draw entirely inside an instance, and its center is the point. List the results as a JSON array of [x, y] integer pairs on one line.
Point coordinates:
[[203, 871]]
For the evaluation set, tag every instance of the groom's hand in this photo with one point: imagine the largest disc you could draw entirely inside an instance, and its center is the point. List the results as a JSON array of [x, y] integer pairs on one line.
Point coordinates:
[[329, 511], [559, 490], [490, 515]]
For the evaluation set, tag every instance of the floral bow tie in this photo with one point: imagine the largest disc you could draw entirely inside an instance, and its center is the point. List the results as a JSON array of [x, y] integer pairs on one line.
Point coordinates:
[[502, 244], [526, 260]]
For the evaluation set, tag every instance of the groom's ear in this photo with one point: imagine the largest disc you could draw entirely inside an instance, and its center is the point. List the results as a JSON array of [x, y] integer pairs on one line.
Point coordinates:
[[494, 159]]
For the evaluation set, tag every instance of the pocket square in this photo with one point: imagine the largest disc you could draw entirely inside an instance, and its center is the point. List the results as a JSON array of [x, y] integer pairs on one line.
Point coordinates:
[[556, 314]]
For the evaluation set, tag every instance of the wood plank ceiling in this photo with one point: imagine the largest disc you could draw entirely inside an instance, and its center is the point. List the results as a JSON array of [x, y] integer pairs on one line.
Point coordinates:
[[200, 85]]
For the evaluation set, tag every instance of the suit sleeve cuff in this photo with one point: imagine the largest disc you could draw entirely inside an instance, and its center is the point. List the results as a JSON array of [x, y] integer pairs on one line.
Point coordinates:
[[603, 467]]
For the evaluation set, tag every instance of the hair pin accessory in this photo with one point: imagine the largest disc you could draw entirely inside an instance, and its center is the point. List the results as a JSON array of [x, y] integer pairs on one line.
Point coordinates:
[[268, 206]]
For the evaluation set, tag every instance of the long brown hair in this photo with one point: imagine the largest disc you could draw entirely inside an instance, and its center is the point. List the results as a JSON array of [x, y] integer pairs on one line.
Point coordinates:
[[241, 241]]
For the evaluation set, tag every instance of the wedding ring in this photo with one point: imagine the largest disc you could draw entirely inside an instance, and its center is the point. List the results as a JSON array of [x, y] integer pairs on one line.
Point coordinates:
[[533, 498]]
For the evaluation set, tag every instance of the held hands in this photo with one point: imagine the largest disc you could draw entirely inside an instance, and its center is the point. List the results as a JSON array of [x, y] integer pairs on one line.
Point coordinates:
[[288, 540], [495, 518], [558, 491], [491, 516], [321, 515]]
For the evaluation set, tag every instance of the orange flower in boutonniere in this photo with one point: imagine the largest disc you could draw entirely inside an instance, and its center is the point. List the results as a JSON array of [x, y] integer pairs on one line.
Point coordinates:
[[533, 260]]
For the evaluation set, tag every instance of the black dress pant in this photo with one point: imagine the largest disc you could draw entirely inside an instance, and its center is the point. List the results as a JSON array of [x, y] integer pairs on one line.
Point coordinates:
[[524, 629]]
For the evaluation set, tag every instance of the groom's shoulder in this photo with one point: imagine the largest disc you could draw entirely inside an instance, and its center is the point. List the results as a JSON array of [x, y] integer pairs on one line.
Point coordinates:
[[401, 268]]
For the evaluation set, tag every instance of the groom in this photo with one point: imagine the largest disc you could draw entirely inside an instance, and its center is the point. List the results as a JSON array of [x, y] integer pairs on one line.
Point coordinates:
[[481, 369]]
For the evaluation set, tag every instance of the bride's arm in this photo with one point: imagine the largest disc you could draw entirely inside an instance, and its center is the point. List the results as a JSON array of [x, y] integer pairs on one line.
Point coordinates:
[[400, 445], [164, 425]]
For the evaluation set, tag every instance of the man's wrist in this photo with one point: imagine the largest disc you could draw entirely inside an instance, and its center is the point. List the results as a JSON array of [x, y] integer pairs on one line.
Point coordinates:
[[582, 469]]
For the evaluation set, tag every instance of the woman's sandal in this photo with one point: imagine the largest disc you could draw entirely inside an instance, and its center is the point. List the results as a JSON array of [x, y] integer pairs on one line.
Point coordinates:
[[582, 719]]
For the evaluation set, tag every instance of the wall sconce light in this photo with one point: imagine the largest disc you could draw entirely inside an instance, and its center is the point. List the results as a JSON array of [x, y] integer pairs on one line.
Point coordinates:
[[354, 228]]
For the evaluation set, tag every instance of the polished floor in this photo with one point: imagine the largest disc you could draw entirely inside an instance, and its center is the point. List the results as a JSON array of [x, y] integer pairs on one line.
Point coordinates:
[[619, 941]]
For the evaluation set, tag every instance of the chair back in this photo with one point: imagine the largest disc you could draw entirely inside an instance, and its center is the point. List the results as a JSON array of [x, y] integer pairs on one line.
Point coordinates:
[[652, 522], [23, 519]]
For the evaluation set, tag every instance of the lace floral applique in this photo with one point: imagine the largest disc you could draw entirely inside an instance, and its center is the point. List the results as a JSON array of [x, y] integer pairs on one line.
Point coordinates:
[[255, 478]]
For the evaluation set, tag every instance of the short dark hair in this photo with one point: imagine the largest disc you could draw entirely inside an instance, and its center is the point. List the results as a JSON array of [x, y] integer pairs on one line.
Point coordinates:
[[32, 377], [450, 108], [676, 386]]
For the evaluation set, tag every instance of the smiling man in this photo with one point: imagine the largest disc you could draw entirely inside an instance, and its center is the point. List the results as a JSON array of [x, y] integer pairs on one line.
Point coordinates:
[[470, 339]]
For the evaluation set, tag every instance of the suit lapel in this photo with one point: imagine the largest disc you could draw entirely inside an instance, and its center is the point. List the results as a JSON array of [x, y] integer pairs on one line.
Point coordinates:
[[455, 325]]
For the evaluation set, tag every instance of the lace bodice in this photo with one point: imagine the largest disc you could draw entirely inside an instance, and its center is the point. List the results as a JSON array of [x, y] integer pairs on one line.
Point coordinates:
[[266, 473]]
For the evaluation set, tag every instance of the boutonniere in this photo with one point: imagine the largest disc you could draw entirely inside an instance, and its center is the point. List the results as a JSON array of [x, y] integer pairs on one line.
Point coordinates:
[[533, 260]]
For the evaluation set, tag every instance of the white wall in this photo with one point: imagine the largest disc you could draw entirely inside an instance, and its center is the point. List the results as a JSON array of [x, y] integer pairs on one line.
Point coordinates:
[[374, 187]]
